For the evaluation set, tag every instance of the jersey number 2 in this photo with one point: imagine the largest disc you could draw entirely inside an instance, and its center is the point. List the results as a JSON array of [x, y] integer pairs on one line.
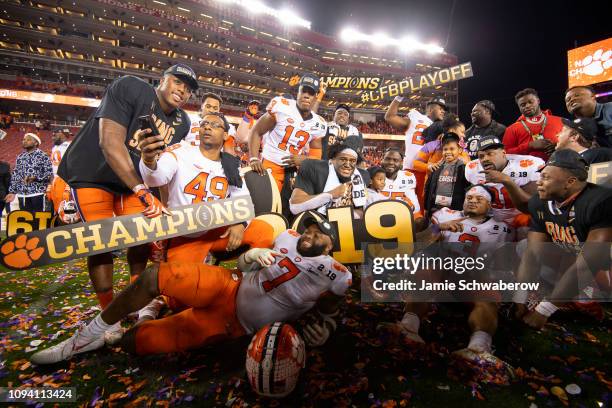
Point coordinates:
[[292, 272]]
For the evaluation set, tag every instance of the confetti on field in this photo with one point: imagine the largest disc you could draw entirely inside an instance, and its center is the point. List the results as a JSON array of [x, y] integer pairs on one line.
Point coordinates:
[[568, 364]]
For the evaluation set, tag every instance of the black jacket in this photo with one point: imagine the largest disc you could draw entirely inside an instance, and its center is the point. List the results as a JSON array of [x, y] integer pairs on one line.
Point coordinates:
[[461, 185]]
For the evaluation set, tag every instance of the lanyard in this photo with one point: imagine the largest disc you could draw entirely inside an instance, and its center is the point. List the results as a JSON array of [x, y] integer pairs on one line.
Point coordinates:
[[533, 136]]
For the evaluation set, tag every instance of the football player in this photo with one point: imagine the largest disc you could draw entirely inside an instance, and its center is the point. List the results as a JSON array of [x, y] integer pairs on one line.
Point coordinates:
[[413, 125], [339, 129], [512, 179], [472, 225], [194, 174], [283, 283], [401, 185], [291, 125], [58, 191], [211, 103], [575, 216]]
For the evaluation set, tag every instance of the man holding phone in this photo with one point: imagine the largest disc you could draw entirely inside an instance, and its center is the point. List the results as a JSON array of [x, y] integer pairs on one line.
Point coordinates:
[[101, 164]]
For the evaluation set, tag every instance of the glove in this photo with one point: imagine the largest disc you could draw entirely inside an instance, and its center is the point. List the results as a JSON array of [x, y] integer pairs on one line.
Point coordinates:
[[263, 256], [316, 334], [153, 207]]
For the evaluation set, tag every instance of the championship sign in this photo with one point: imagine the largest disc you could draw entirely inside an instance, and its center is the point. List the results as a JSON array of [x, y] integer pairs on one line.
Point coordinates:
[[38, 248], [428, 80]]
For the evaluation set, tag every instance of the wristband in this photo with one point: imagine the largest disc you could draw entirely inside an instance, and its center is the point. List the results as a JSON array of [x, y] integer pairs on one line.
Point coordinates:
[[435, 228], [252, 159], [520, 296], [546, 308], [139, 187], [399, 99]]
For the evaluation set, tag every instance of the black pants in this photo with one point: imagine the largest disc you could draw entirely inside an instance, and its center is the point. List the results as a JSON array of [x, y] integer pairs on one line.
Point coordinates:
[[32, 204]]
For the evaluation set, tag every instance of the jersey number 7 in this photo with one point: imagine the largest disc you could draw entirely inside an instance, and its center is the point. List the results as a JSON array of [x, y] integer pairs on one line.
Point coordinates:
[[292, 272]]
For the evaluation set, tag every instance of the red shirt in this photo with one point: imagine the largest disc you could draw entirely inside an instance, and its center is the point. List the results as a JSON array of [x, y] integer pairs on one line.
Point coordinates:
[[517, 138]]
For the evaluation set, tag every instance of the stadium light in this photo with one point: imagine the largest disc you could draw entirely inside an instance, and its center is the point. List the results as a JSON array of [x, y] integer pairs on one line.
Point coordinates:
[[285, 17], [406, 44]]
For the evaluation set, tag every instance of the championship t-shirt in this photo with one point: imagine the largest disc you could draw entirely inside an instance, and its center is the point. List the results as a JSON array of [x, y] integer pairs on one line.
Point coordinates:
[[475, 133], [313, 174], [569, 226], [336, 134], [127, 98]]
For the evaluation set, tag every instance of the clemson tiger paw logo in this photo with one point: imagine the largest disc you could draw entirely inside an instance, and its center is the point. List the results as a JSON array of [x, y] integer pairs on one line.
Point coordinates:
[[21, 252]]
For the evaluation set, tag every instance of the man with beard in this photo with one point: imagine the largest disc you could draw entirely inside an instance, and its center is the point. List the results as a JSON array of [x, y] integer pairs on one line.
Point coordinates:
[[435, 110], [101, 164], [575, 216], [283, 283], [535, 132], [482, 125], [290, 126], [211, 103], [338, 182], [581, 103], [339, 129], [401, 185], [511, 177], [578, 135], [472, 225]]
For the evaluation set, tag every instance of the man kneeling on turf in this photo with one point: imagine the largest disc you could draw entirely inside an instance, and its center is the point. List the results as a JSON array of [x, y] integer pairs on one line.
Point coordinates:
[[288, 281]]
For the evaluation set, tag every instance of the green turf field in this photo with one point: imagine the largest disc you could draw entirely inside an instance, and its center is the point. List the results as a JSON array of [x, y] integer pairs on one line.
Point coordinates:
[[355, 368]]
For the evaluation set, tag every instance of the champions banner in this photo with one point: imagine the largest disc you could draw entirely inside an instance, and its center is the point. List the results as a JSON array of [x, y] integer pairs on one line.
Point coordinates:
[[43, 247]]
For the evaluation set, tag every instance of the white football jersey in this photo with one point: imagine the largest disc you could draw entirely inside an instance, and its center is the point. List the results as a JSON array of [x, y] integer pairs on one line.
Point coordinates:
[[288, 288], [57, 152], [291, 133], [490, 231], [191, 177], [403, 188], [522, 170], [414, 136], [194, 130]]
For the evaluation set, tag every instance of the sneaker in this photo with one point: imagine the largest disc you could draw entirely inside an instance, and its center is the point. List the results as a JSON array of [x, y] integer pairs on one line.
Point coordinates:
[[150, 311], [76, 344], [395, 333], [113, 335], [486, 367]]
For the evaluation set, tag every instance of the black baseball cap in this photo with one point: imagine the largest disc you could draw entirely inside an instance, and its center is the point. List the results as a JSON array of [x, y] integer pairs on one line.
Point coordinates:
[[343, 106], [489, 142], [313, 217], [567, 159], [185, 73], [311, 81], [488, 104], [587, 127], [437, 101], [254, 102], [448, 137]]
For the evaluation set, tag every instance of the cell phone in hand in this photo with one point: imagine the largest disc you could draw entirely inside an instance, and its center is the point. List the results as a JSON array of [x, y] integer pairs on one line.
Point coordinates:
[[146, 122]]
